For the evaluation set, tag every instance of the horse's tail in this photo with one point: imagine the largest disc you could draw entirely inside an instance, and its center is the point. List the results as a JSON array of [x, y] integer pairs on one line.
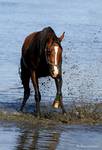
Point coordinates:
[[23, 71]]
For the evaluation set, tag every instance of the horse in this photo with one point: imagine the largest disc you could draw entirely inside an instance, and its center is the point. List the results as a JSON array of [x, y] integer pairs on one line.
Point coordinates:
[[41, 56]]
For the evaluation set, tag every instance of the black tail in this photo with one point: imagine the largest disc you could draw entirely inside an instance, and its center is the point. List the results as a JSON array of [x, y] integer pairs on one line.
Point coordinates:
[[25, 77], [23, 72]]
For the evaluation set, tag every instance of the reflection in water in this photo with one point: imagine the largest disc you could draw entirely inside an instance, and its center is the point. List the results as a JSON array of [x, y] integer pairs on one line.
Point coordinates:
[[74, 137], [14, 137], [39, 138]]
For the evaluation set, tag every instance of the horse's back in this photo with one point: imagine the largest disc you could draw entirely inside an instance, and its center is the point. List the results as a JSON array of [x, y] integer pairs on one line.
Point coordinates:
[[27, 42]]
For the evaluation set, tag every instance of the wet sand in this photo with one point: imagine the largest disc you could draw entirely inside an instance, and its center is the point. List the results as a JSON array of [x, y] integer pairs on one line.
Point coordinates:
[[76, 113], [80, 129]]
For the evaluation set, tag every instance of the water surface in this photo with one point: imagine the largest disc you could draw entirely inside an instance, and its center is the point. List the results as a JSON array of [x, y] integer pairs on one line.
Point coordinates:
[[82, 46], [20, 137], [82, 60]]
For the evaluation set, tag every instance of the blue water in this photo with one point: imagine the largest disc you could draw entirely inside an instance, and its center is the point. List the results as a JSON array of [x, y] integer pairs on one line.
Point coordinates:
[[13, 137], [82, 63], [82, 23]]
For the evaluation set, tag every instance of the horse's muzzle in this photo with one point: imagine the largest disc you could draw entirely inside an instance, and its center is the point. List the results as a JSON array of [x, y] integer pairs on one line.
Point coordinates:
[[54, 71]]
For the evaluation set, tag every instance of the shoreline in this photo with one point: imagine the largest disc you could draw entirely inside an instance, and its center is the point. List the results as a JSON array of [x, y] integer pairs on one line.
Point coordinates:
[[83, 113]]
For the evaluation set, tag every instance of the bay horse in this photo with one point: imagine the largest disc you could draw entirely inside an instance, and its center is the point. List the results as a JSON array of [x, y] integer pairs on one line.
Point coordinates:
[[42, 56]]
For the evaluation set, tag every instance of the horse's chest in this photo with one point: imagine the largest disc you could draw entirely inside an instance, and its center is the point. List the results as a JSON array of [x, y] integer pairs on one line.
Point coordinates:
[[43, 70]]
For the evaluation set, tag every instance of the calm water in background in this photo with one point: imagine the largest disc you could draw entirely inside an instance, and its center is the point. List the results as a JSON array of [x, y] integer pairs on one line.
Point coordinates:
[[82, 54], [82, 61]]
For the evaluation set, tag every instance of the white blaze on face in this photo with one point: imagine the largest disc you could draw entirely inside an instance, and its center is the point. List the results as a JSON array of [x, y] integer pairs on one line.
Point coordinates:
[[56, 51], [55, 67]]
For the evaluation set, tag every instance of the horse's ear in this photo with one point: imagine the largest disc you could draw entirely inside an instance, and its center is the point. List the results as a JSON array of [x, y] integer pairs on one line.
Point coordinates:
[[61, 37]]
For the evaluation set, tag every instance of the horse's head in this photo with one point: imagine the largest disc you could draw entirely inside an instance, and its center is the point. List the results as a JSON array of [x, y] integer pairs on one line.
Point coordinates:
[[54, 56]]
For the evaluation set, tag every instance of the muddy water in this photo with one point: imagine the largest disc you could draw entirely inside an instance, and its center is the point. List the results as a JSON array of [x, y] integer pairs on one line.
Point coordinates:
[[82, 61]]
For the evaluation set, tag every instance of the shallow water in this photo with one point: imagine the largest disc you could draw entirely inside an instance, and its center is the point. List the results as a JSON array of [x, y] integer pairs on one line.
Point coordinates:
[[82, 55], [16, 137], [82, 61]]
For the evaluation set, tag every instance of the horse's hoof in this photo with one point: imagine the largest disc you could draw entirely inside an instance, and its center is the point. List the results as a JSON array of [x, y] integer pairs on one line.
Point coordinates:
[[56, 104]]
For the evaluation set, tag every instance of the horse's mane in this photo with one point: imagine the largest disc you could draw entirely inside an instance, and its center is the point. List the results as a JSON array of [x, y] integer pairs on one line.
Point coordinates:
[[45, 35]]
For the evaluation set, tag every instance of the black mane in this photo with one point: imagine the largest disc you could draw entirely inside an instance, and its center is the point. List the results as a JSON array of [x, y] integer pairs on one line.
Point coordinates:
[[45, 35]]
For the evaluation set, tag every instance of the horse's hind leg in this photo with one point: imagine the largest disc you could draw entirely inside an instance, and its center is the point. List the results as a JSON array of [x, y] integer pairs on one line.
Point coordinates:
[[37, 92], [25, 77]]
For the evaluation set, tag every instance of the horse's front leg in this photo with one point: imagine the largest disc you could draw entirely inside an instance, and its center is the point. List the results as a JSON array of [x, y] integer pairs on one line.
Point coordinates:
[[34, 79], [58, 100]]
